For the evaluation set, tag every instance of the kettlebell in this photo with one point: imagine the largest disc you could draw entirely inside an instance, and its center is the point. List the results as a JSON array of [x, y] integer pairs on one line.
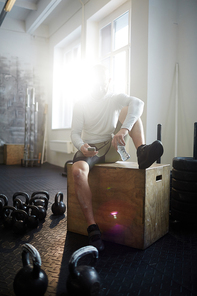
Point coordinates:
[[83, 280], [41, 205], [31, 281], [3, 203], [58, 207], [7, 216], [18, 203], [19, 221], [40, 200], [33, 216]]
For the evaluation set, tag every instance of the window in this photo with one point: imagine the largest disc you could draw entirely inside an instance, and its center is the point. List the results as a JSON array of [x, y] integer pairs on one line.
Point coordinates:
[[71, 63], [66, 71], [114, 51], [121, 25], [69, 83]]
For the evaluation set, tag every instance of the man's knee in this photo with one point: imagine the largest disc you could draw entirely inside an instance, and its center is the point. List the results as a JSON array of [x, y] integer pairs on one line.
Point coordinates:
[[80, 171]]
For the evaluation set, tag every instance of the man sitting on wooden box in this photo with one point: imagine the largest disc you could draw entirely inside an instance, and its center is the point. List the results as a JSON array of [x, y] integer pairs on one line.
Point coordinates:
[[101, 122]]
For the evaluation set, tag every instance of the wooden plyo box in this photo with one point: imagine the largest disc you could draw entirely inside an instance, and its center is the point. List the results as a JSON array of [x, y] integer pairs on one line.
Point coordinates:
[[13, 153], [131, 206]]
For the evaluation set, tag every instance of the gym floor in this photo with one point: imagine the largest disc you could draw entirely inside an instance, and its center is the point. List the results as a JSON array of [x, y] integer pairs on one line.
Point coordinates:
[[168, 267]]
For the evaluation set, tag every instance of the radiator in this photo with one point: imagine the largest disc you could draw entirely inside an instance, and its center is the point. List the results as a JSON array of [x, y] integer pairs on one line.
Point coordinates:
[[62, 146]]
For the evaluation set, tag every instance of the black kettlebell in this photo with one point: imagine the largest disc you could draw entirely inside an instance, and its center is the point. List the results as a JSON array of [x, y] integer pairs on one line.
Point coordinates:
[[31, 281], [40, 200], [7, 216], [42, 207], [19, 205], [33, 216], [3, 203], [83, 280], [19, 221], [18, 202], [58, 207]]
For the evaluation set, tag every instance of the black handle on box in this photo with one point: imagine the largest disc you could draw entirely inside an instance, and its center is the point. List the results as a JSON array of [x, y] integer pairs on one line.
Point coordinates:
[[195, 141], [159, 138], [158, 178]]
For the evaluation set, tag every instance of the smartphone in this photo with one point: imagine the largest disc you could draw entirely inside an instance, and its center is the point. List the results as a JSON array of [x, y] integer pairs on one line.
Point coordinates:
[[91, 149]]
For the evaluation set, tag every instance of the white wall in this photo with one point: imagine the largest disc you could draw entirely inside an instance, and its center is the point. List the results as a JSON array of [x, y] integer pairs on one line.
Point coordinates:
[[24, 61], [187, 59], [172, 39], [162, 58], [139, 58], [29, 49]]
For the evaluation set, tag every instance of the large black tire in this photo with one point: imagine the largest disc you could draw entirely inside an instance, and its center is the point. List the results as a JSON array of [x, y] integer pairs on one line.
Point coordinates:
[[184, 189], [184, 175], [184, 185], [185, 164], [184, 206], [190, 197], [183, 216]]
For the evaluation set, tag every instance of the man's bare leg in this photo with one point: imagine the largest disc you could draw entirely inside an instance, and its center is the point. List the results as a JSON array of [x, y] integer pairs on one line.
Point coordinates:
[[146, 154], [137, 132], [80, 170]]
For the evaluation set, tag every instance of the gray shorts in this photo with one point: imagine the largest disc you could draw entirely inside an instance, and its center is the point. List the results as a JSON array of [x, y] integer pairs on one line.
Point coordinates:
[[106, 152]]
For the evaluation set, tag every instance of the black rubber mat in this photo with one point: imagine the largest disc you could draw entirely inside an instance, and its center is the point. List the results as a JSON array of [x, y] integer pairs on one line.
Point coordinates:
[[168, 267]]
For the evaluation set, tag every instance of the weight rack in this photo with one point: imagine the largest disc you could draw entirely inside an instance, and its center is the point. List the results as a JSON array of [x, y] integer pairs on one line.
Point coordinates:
[[31, 131]]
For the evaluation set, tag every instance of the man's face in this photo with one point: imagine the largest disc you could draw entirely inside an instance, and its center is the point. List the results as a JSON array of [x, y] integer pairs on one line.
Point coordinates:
[[99, 86]]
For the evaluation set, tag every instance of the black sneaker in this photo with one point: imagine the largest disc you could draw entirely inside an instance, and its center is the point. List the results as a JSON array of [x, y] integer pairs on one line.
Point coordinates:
[[94, 236], [148, 154]]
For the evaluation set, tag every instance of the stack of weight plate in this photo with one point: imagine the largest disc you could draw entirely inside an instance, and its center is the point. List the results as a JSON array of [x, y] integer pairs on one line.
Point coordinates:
[[184, 189]]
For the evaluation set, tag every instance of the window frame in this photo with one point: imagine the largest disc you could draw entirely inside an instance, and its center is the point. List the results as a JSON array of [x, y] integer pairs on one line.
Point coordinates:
[[127, 48]]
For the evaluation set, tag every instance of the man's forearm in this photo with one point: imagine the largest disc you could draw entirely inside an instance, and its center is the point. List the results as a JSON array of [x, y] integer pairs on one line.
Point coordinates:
[[76, 140]]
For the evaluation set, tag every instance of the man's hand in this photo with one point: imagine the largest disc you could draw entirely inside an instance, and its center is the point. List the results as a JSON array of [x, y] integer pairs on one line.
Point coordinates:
[[86, 153], [118, 139]]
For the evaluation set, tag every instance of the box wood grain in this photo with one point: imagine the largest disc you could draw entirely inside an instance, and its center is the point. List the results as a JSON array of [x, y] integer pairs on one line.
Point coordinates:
[[131, 206]]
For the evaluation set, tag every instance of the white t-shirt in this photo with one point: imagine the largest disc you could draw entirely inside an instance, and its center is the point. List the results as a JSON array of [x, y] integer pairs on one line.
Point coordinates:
[[94, 120]]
